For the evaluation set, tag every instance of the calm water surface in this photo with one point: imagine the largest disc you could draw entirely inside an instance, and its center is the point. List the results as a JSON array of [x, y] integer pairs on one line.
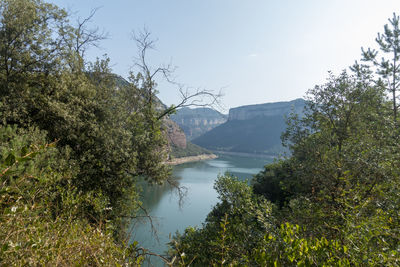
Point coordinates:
[[162, 202]]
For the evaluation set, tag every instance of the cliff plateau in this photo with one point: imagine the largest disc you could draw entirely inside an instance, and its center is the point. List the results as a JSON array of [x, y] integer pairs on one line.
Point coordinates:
[[195, 122], [254, 129]]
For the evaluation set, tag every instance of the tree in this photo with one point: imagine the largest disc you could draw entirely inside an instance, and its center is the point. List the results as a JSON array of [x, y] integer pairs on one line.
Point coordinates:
[[29, 53], [189, 98], [388, 66], [42, 218], [337, 193], [45, 82], [341, 170], [233, 229]]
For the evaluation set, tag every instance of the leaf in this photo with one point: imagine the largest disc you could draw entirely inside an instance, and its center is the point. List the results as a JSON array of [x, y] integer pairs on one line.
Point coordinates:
[[23, 159], [10, 160], [24, 150]]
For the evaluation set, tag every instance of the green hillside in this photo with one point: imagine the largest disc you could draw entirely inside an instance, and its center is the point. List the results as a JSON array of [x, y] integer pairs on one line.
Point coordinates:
[[258, 135], [190, 150]]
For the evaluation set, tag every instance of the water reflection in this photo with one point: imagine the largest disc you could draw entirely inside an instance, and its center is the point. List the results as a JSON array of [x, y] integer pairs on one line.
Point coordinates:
[[219, 164], [162, 202]]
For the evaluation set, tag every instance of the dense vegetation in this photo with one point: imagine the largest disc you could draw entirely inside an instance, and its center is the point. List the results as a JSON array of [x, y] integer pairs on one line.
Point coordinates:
[[73, 141], [190, 150], [335, 200]]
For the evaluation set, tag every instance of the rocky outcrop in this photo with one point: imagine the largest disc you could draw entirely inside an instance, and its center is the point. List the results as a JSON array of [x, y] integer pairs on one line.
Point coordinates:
[[175, 135], [196, 122], [266, 110]]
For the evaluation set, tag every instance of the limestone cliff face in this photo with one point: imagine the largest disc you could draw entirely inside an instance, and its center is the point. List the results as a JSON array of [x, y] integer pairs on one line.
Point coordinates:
[[196, 122], [254, 129], [266, 110]]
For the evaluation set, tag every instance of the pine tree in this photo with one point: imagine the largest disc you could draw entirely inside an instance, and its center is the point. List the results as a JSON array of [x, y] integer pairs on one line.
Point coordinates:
[[388, 66]]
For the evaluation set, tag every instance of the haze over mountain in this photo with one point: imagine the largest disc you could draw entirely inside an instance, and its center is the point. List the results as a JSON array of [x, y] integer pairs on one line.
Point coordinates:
[[252, 129], [197, 121]]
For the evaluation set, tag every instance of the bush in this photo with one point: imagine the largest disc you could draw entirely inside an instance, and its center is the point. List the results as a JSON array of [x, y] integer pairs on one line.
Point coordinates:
[[42, 214]]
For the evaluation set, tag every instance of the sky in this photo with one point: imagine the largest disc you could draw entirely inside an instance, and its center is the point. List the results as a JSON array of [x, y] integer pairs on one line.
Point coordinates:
[[255, 51]]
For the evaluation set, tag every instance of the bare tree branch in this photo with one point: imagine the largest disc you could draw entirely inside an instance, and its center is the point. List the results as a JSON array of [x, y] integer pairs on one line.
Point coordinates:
[[146, 216], [196, 98], [146, 252], [189, 97], [77, 40], [181, 191], [86, 37]]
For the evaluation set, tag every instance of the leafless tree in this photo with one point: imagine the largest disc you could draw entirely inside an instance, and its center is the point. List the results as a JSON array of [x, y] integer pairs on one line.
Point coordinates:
[[189, 96], [87, 37], [80, 38]]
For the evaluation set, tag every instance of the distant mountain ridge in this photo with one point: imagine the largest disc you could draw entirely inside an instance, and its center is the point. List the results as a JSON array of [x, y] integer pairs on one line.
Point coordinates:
[[266, 109], [195, 122], [252, 129]]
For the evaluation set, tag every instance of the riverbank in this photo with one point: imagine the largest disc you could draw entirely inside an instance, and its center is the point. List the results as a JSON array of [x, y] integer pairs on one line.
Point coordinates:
[[177, 161], [247, 155]]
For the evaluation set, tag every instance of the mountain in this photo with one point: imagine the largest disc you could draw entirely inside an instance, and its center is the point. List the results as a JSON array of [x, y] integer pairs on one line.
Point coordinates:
[[252, 129], [195, 122]]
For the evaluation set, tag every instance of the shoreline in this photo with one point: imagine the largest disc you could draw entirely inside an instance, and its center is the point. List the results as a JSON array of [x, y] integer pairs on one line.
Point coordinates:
[[178, 161], [244, 154]]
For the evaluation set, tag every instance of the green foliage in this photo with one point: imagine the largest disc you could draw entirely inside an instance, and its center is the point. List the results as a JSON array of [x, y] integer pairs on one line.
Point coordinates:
[[41, 212], [276, 184], [344, 130], [387, 65], [111, 136], [291, 248], [234, 228], [337, 195], [190, 150], [76, 196], [339, 175]]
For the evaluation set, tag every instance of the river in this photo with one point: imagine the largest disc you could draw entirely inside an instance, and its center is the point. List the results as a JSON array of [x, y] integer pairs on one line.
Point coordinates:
[[169, 216]]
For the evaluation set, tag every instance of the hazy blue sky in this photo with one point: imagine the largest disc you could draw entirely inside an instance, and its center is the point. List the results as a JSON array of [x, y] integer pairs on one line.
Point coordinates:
[[258, 51]]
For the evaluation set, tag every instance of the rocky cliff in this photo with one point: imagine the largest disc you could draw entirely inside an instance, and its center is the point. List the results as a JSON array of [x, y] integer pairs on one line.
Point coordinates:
[[196, 122], [175, 135], [252, 129], [266, 110]]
